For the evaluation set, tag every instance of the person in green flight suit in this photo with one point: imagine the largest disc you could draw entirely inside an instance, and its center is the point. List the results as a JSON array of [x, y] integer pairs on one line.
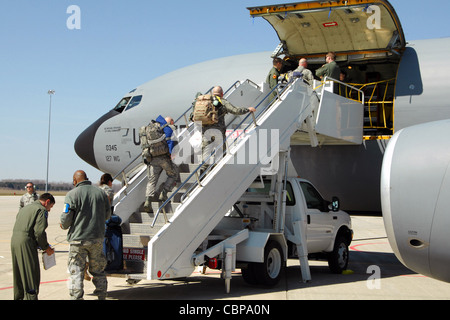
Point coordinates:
[[272, 77], [329, 69], [29, 235]]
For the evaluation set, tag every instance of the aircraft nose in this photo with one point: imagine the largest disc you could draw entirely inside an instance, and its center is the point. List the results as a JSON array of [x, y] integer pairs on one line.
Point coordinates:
[[84, 145]]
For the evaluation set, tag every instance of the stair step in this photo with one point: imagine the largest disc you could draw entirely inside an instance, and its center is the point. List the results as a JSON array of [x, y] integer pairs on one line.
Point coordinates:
[[135, 240], [185, 175], [145, 229], [147, 217]]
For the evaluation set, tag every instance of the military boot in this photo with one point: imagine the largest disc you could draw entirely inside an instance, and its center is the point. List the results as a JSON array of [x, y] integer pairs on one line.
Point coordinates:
[[159, 192], [163, 195], [148, 204]]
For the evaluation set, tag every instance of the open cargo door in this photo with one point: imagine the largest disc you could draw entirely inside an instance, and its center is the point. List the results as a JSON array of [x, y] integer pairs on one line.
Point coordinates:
[[345, 27]]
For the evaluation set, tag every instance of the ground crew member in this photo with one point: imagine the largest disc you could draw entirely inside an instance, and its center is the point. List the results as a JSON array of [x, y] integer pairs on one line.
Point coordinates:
[[29, 197], [210, 139], [29, 235], [274, 73], [86, 209]]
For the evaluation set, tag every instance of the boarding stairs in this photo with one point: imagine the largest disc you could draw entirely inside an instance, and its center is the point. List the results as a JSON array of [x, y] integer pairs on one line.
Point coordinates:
[[139, 226], [170, 240]]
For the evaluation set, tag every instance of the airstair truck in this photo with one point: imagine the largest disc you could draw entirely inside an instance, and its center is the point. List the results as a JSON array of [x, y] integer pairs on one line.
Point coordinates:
[[248, 209], [280, 216]]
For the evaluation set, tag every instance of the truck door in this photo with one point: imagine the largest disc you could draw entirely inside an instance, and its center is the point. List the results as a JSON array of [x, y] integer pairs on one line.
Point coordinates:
[[319, 219]]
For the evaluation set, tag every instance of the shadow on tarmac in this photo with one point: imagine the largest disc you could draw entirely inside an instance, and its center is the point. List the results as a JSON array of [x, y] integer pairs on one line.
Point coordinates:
[[211, 286]]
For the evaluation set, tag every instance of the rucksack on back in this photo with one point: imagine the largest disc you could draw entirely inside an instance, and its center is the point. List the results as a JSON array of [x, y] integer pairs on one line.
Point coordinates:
[[153, 141], [205, 111]]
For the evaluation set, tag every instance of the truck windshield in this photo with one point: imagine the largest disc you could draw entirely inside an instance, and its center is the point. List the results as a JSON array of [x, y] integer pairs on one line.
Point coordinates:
[[290, 198], [313, 198]]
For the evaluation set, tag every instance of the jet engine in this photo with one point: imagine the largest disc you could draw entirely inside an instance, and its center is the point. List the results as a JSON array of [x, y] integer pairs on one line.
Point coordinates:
[[415, 197]]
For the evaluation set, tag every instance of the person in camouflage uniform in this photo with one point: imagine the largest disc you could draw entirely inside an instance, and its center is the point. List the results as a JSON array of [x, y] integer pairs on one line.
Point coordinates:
[[211, 134], [157, 163], [29, 234], [154, 170], [86, 210], [29, 197]]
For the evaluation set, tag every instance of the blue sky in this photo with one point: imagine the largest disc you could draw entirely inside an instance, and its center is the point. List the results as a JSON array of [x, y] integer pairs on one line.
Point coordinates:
[[121, 44]]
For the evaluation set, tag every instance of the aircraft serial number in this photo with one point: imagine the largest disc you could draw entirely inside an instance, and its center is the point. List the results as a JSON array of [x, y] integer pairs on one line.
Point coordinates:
[[111, 147]]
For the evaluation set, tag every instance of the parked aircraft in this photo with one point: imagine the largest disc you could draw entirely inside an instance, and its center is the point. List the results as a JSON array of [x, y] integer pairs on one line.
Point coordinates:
[[404, 85]]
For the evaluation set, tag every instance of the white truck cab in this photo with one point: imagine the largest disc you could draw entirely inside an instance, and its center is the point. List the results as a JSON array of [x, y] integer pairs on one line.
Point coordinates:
[[328, 229]]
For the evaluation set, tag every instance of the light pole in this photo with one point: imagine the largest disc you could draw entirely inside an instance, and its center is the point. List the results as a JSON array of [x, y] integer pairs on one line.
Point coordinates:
[[50, 93]]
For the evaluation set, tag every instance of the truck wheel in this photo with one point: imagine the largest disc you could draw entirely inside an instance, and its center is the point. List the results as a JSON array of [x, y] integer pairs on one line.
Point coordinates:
[[338, 258], [269, 272], [249, 275]]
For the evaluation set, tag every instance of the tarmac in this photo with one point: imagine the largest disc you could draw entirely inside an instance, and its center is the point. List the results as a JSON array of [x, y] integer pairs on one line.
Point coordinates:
[[374, 273]]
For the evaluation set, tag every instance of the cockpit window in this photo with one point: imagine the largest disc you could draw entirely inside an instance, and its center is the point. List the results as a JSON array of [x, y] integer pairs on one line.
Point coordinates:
[[134, 102], [122, 104]]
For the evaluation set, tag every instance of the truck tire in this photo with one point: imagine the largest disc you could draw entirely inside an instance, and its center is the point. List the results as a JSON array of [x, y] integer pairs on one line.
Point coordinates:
[[270, 271], [338, 258], [248, 273]]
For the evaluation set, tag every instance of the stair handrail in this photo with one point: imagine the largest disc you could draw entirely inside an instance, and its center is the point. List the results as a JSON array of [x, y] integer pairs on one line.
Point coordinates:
[[122, 172], [220, 147], [326, 78]]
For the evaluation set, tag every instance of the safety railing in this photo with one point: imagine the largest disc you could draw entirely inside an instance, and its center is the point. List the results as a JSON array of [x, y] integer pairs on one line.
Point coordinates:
[[349, 88], [379, 102], [238, 132]]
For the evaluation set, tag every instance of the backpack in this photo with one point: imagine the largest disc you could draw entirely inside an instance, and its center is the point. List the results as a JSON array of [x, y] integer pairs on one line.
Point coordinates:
[[113, 244], [205, 111], [153, 140]]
